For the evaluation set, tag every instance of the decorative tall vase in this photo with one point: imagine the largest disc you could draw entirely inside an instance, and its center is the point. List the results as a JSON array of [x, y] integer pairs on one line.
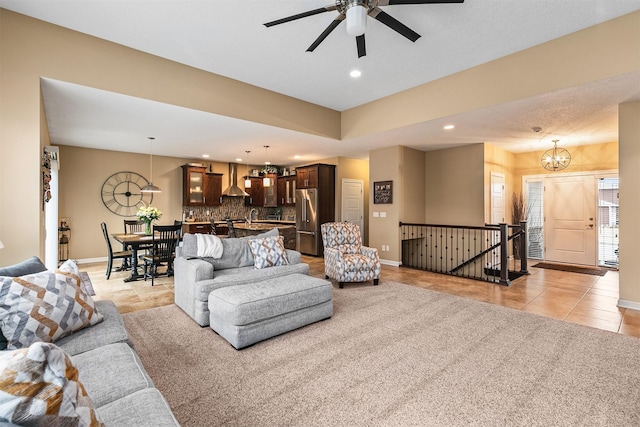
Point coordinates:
[[147, 228]]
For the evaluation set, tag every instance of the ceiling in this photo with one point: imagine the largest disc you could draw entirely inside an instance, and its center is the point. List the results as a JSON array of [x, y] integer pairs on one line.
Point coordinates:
[[228, 38]]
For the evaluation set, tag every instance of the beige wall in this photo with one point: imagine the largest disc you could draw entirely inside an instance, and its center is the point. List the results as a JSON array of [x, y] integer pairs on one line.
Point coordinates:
[[454, 180], [629, 130], [82, 173], [31, 49], [405, 168], [385, 164]]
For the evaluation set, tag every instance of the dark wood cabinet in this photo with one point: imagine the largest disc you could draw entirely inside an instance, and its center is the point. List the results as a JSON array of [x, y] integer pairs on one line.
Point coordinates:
[[196, 228], [287, 190], [213, 189], [256, 192], [308, 176], [201, 188], [271, 191], [261, 195]]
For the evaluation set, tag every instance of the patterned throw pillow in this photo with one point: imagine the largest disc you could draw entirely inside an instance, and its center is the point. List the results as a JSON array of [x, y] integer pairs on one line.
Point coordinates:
[[44, 306], [268, 252], [39, 386]]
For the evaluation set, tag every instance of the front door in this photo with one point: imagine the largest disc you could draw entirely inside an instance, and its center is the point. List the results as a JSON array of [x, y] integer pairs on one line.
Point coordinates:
[[570, 211]]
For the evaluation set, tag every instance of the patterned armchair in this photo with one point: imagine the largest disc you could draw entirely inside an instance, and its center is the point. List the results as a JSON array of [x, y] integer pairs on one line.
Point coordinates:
[[345, 259]]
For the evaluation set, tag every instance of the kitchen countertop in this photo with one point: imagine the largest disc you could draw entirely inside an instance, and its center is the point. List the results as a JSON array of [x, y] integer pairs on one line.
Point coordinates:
[[258, 226], [236, 223]]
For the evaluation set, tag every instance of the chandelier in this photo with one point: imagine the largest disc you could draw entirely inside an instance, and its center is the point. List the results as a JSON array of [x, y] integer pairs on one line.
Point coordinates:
[[556, 159]]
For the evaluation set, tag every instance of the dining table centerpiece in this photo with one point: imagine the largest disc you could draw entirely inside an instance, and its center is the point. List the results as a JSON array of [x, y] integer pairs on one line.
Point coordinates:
[[148, 214]]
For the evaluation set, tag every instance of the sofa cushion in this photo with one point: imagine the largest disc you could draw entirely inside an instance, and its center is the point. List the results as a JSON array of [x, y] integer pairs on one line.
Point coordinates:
[[111, 372], [145, 407], [44, 306], [110, 331], [40, 386], [29, 266], [268, 252]]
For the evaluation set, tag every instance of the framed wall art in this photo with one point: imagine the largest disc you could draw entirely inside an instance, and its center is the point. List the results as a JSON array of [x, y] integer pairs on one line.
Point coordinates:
[[383, 192]]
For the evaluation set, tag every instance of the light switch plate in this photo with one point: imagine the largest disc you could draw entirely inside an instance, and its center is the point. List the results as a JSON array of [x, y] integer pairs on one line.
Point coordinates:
[[376, 214]]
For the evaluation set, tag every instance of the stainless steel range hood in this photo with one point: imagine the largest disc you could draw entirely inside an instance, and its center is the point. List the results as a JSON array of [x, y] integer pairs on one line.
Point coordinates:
[[233, 190]]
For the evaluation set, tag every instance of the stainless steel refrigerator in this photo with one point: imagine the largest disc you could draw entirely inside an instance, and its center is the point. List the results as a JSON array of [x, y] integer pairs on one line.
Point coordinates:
[[308, 238]]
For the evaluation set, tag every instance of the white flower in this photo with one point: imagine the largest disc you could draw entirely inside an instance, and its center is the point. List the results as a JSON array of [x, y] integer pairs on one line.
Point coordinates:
[[148, 213]]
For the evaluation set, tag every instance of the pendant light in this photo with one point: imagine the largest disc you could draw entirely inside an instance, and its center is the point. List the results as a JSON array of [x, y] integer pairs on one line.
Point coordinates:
[[247, 180], [556, 159], [150, 188], [266, 181]]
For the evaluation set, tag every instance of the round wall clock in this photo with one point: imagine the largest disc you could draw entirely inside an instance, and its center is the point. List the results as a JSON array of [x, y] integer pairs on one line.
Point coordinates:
[[121, 193]]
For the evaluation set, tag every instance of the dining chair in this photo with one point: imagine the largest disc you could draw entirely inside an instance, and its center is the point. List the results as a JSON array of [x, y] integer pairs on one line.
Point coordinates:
[[164, 240], [132, 226], [232, 230], [124, 255]]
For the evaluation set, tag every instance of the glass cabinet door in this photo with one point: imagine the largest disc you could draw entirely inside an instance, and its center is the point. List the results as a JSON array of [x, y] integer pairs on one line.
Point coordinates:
[[196, 187]]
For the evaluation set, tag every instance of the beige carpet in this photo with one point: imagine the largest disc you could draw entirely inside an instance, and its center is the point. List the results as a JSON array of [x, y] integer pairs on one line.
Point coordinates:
[[396, 355]]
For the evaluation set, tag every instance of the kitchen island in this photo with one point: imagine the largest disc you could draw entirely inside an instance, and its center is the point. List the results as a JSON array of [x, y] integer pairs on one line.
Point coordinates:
[[287, 229]]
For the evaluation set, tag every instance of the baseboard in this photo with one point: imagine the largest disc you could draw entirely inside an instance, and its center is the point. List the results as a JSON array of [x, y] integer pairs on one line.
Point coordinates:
[[389, 262], [629, 304], [90, 260]]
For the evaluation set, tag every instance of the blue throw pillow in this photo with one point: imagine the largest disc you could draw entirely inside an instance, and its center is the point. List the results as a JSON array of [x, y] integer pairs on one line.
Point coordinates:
[[30, 266]]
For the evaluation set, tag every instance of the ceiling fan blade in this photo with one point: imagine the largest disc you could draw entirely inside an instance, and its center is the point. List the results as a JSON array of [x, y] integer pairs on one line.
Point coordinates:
[[326, 32], [362, 48], [301, 15], [391, 22], [392, 2]]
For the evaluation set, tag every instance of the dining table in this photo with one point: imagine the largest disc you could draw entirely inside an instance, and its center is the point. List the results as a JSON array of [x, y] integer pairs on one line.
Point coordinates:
[[135, 241]]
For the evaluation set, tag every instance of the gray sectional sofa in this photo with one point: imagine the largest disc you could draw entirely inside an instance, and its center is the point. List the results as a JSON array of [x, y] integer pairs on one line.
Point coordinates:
[[120, 389], [195, 278]]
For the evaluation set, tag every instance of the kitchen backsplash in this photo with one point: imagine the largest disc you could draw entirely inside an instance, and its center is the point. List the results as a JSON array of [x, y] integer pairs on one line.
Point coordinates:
[[234, 208]]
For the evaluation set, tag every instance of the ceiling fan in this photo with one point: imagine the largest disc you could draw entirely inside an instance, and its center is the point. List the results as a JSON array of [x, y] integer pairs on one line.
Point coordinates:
[[355, 12]]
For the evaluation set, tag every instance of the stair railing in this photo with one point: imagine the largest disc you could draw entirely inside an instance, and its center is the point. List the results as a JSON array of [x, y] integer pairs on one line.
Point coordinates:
[[494, 253]]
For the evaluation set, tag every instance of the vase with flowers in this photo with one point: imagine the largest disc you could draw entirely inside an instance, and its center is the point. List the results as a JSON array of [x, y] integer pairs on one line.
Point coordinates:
[[148, 214]]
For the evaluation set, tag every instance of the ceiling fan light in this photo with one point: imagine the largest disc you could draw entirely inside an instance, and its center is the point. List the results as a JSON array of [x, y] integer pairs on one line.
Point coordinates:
[[356, 19]]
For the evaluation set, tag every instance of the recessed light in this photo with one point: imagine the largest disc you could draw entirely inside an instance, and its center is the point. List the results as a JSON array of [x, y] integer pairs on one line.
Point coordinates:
[[449, 127], [296, 156], [238, 159], [355, 73], [206, 156]]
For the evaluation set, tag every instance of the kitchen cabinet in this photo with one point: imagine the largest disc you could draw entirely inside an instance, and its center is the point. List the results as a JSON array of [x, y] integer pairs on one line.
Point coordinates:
[[256, 192], [308, 176], [261, 195], [271, 191], [198, 227], [201, 188], [287, 190], [213, 189]]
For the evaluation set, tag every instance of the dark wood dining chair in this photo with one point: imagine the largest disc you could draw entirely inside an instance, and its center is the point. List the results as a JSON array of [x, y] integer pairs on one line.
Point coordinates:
[[164, 241], [232, 230], [133, 226], [124, 255]]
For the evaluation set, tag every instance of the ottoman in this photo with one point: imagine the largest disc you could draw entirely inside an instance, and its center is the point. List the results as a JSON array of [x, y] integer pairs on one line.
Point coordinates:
[[246, 314]]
